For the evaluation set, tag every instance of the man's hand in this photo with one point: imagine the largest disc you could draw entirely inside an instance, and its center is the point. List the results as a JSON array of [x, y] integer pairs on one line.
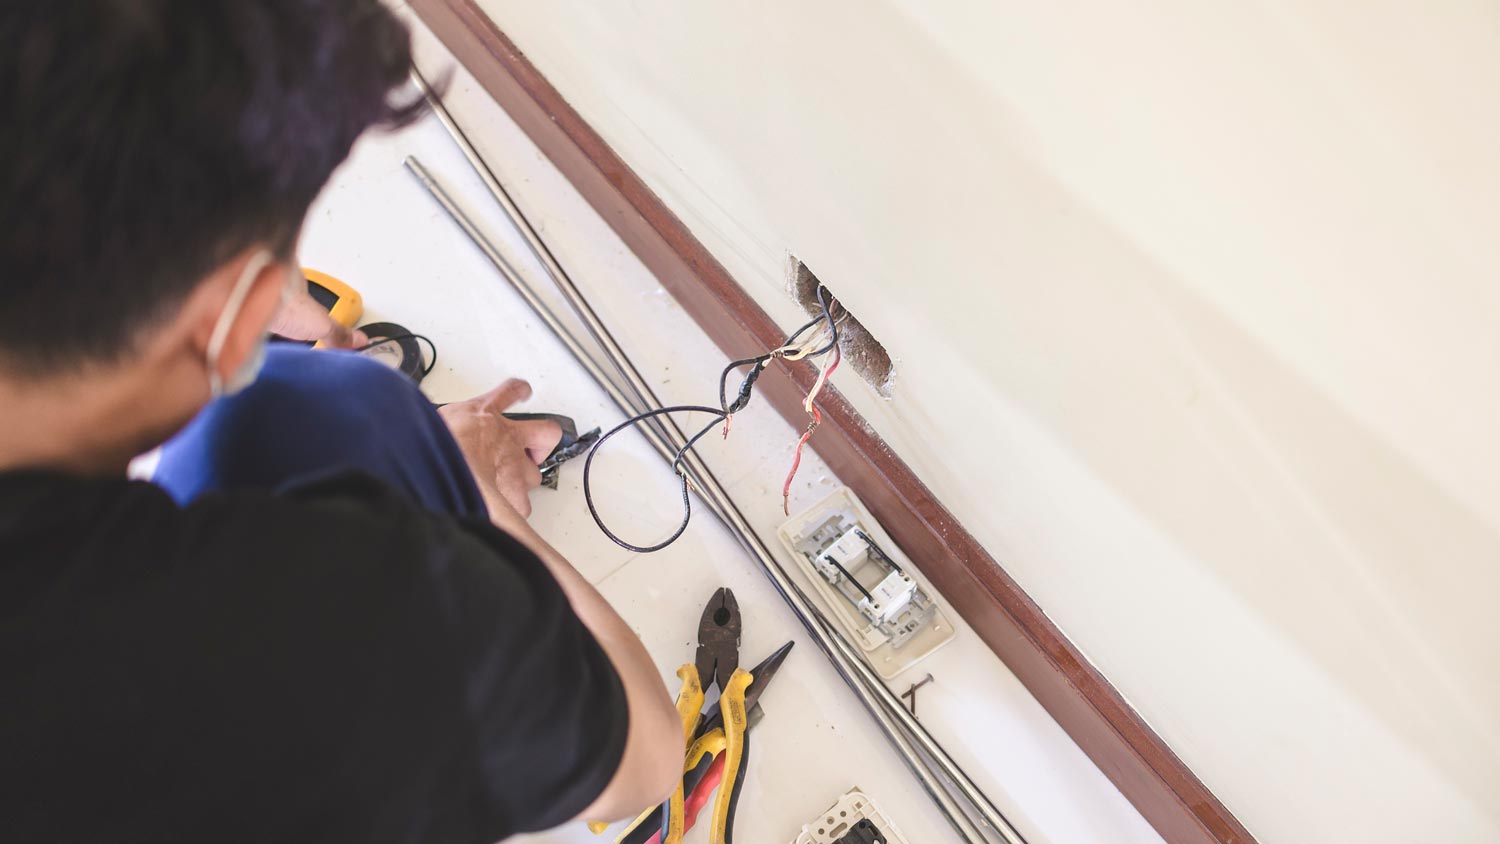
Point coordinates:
[[502, 454], [302, 318]]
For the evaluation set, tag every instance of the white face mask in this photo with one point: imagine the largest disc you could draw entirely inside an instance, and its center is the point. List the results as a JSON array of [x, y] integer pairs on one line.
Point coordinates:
[[250, 369]]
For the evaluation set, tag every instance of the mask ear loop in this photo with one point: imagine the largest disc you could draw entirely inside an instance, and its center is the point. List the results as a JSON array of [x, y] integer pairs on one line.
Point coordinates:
[[220, 334]]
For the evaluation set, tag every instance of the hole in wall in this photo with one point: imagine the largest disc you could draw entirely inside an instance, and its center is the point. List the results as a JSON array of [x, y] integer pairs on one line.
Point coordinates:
[[862, 352]]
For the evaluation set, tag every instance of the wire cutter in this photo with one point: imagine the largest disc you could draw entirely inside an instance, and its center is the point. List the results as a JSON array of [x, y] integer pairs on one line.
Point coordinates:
[[707, 775], [716, 663], [570, 446]]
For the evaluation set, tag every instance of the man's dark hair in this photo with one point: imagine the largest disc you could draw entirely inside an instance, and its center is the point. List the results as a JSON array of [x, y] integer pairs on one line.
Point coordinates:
[[145, 142]]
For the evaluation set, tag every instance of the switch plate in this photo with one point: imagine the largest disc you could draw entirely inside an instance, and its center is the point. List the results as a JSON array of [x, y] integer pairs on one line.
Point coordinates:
[[836, 824], [888, 609]]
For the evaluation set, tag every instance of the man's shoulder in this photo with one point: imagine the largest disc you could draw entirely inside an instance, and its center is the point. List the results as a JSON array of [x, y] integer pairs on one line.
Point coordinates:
[[345, 537], [346, 522], [289, 633], [309, 576]]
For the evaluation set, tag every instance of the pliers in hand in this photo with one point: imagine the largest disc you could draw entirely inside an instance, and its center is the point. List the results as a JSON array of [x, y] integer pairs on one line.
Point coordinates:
[[570, 446]]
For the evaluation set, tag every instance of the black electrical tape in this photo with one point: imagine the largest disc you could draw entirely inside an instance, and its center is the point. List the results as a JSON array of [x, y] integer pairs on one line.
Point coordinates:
[[396, 347]]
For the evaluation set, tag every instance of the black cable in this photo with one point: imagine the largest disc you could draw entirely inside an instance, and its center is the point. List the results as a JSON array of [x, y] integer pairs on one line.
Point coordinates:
[[681, 452], [687, 504], [749, 383], [759, 362], [833, 325], [792, 338], [726, 409]]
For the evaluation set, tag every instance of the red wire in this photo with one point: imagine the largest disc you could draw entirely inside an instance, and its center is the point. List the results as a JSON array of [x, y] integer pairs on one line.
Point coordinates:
[[699, 798], [786, 488]]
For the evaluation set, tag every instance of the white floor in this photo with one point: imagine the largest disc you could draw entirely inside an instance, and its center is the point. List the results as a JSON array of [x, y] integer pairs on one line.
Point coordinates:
[[376, 229]]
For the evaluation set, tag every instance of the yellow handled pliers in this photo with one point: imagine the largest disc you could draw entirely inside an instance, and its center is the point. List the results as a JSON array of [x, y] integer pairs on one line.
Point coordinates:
[[717, 663], [708, 743]]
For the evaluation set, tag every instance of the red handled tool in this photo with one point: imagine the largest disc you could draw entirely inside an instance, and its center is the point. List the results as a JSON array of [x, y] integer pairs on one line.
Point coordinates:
[[718, 741], [698, 799]]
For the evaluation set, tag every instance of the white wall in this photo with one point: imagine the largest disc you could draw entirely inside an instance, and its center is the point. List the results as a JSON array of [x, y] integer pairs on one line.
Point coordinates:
[[1196, 307]]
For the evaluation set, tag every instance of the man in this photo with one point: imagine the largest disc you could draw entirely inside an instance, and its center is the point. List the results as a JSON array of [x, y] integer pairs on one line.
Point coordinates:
[[330, 621]]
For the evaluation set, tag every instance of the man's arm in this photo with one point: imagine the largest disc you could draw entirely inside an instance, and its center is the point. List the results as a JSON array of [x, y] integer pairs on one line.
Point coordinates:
[[652, 763], [502, 456]]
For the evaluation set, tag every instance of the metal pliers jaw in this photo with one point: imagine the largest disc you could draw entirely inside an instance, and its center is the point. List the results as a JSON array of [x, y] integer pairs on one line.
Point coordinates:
[[718, 640], [716, 663], [708, 742]]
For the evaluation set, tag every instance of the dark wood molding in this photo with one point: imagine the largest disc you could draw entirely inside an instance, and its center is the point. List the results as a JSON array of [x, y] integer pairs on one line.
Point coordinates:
[[1082, 701]]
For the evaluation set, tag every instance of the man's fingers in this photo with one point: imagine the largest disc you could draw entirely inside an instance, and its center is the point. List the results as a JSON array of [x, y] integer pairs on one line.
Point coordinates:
[[509, 450], [510, 391], [515, 481], [302, 318], [522, 507], [342, 337], [539, 437]]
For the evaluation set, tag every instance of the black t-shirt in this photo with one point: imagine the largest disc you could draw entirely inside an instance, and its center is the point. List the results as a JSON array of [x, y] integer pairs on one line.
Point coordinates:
[[325, 664]]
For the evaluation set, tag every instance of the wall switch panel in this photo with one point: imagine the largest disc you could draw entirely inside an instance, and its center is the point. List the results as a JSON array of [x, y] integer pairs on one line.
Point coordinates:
[[866, 582], [854, 819]]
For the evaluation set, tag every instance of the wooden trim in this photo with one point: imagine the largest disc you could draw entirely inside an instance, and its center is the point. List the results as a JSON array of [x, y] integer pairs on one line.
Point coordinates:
[[1082, 701]]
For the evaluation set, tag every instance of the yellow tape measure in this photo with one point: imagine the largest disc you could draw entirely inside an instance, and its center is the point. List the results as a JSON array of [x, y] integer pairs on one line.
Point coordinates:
[[343, 302]]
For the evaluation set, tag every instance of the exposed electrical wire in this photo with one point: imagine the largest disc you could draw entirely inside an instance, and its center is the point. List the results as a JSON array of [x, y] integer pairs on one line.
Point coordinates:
[[807, 404], [828, 368], [820, 342], [687, 504], [817, 419]]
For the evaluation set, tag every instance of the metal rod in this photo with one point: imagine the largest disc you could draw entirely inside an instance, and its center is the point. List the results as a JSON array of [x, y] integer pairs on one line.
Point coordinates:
[[647, 398], [596, 328], [534, 301], [899, 727]]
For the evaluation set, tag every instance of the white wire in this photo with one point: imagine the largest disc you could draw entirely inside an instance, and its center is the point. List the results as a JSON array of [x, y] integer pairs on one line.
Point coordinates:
[[818, 340], [828, 364]]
